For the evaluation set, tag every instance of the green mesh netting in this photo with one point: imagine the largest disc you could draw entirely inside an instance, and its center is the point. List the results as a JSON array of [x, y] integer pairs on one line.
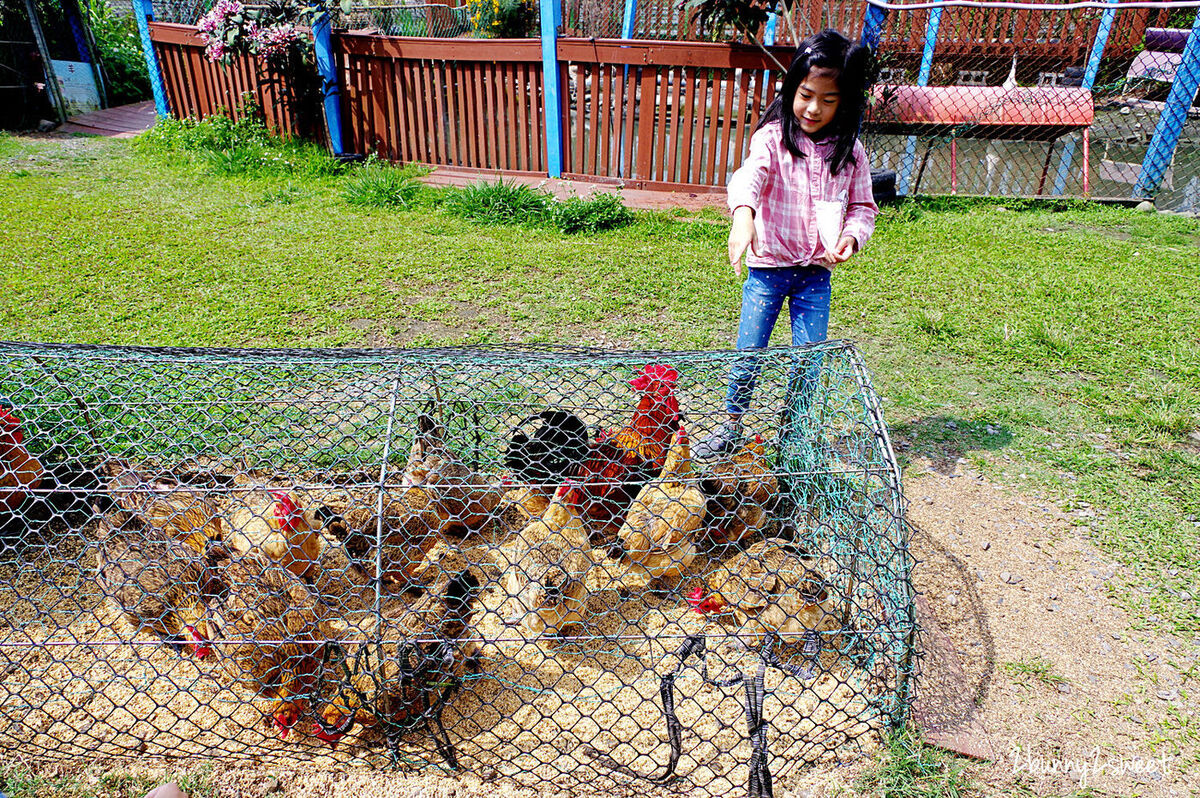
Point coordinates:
[[496, 559]]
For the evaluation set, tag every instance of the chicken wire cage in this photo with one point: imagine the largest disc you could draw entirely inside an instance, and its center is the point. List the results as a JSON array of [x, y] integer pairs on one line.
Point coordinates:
[[506, 560]]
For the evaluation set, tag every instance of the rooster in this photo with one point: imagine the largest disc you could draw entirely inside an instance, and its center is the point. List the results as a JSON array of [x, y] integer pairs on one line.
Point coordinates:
[[742, 490], [547, 564], [771, 589], [20, 471], [272, 523], [165, 505], [658, 537], [620, 462], [158, 584]]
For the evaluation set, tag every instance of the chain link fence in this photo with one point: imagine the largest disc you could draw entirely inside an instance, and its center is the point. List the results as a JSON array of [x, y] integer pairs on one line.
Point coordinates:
[[500, 560]]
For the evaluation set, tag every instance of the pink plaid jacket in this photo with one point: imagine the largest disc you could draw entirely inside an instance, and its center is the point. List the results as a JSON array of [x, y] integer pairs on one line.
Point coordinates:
[[782, 189]]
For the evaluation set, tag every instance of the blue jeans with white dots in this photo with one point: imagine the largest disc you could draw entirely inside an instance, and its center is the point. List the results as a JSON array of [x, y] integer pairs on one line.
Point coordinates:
[[806, 288]]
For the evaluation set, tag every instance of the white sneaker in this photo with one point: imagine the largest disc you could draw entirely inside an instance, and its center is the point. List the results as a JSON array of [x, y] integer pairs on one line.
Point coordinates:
[[721, 441]]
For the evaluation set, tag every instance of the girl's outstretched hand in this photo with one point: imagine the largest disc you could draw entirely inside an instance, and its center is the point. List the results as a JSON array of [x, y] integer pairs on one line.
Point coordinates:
[[846, 246], [742, 236]]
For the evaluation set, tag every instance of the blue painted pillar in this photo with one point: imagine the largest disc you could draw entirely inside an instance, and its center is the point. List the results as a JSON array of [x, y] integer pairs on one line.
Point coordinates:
[[1173, 117], [143, 12], [1089, 80], [873, 19], [910, 145], [772, 24], [330, 83], [551, 14], [628, 20]]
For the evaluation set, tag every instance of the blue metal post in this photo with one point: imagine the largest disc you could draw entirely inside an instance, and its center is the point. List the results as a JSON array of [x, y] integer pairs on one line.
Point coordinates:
[[772, 23], [910, 145], [1173, 117], [628, 20], [873, 19], [1089, 80], [143, 12], [327, 68], [551, 13]]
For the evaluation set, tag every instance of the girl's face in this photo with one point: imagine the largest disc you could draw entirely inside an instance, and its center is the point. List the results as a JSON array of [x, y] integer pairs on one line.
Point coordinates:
[[816, 100]]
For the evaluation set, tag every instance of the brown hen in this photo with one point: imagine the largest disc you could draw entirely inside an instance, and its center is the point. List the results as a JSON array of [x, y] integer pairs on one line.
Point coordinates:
[[159, 584], [183, 513]]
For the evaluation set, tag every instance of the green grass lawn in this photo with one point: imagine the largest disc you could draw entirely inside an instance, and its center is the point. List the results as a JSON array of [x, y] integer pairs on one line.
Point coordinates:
[[1057, 347]]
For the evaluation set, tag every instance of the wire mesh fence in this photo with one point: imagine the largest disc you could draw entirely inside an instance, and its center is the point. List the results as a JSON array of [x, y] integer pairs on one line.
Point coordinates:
[[1005, 102], [503, 559], [431, 20]]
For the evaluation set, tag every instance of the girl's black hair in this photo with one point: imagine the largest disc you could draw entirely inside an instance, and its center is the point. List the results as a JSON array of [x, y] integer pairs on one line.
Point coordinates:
[[851, 64]]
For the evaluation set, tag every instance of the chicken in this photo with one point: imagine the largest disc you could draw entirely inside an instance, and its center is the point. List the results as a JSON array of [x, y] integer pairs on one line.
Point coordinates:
[[407, 529], [272, 523], [409, 665], [772, 588], [619, 462], [658, 538], [271, 630], [742, 491], [181, 512], [465, 498], [521, 504], [547, 564], [159, 584], [440, 494], [549, 452], [20, 471], [340, 582]]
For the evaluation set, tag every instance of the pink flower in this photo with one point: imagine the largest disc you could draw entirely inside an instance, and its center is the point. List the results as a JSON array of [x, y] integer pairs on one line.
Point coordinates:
[[274, 41], [215, 50]]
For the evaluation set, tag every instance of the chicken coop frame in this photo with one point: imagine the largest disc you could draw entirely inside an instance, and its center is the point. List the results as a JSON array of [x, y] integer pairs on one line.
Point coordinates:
[[467, 558]]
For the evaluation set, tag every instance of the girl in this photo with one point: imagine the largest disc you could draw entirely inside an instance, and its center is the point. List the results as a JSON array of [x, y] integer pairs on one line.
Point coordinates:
[[801, 203]]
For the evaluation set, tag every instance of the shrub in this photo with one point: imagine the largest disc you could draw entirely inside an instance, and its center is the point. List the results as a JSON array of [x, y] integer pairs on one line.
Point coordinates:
[[501, 203], [500, 19], [217, 132], [591, 215], [382, 186], [120, 51], [239, 147]]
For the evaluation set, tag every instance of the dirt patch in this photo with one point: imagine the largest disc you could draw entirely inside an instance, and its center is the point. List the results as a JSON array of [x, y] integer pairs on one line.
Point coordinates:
[[1118, 233], [1056, 673]]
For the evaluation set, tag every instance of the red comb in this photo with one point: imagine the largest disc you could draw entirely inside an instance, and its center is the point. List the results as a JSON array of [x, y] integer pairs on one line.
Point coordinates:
[[758, 438], [285, 509], [329, 737], [200, 646], [655, 373], [10, 420], [695, 597]]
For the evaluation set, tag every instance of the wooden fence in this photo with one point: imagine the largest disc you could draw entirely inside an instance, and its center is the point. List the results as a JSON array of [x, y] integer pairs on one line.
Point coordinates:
[[654, 114], [660, 114], [472, 103], [197, 87]]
